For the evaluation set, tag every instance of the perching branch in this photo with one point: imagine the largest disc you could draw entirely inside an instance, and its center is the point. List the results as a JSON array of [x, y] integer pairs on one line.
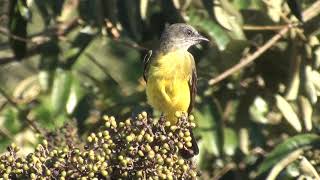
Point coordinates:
[[308, 14], [40, 39]]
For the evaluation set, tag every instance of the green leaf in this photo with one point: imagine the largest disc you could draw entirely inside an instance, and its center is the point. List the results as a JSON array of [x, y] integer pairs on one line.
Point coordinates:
[[43, 115], [79, 44], [242, 4], [208, 128], [288, 112], [60, 91], [248, 4], [49, 10], [18, 27], [214, 30], [129, 15], [258, 110], [76, 93], [4, 142], [88, 11], [288, 146], [48, 63], [107, 59], [230, 141], [12, 121]]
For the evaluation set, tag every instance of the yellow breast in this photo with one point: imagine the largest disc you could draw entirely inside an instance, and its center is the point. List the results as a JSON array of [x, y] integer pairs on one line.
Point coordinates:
[[168, 77]]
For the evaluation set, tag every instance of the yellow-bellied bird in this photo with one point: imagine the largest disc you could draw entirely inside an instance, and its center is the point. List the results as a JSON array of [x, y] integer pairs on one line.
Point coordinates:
[[171, 75]]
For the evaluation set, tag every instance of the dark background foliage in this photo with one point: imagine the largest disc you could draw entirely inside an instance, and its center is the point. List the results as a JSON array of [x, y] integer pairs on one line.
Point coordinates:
[[72, 61]]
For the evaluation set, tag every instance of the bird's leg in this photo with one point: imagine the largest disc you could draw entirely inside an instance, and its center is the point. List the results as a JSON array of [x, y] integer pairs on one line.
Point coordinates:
[[162, 116]]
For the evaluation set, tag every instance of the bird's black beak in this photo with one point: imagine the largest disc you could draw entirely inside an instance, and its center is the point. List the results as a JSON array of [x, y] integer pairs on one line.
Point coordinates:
[[202, 38], [199, 38]]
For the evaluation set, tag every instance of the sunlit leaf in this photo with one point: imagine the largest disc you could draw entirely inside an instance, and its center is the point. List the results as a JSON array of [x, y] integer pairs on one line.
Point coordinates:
[[27, 90], [274, 9], [76, 93], [259, 109], [308, 169], [143, 8], [306, 111], [230, 143], [294, 73], [60, 91], [227, 15], [288, 113], [309, 87], [316, 56], [316, 79]]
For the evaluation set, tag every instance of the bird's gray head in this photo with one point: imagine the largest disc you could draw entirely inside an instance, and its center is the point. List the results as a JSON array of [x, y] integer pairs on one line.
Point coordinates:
[[180, 36]]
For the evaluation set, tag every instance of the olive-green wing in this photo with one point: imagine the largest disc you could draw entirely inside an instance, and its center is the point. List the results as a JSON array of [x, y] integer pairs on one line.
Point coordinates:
[[194, 150], [192, 86], [146, 63]]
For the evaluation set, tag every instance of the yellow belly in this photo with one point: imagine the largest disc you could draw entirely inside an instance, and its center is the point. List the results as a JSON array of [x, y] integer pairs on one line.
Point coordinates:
[[167, 88], [178, 95]]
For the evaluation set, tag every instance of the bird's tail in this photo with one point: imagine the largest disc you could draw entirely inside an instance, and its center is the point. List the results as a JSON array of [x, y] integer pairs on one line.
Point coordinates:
[[188, 153]]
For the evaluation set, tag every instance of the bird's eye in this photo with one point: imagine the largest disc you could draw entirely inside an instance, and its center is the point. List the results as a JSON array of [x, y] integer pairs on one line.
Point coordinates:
[[189, 32]]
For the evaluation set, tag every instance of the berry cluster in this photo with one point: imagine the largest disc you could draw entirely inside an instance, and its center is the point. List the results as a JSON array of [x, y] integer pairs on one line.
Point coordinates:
[[137, 148]]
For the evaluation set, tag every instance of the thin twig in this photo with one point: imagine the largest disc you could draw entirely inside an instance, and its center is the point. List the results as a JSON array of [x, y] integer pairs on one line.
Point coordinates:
[[250, 58], [115, 36], [312, 11], [98, 64], [9, 100], [279, 166], [33, 51], [5, 31], [132, 45], [224, 170], [308, 14], [262, 28]]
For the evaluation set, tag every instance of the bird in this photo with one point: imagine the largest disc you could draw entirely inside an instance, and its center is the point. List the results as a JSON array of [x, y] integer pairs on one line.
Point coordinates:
[[171, 77]]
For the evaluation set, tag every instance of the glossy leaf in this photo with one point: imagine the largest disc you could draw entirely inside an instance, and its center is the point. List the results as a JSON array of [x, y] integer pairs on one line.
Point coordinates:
[[309, 87], [308, 169], [76, 93], [288, 113], [294, 76], [258, 110], [306, 111], [283, 149]]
